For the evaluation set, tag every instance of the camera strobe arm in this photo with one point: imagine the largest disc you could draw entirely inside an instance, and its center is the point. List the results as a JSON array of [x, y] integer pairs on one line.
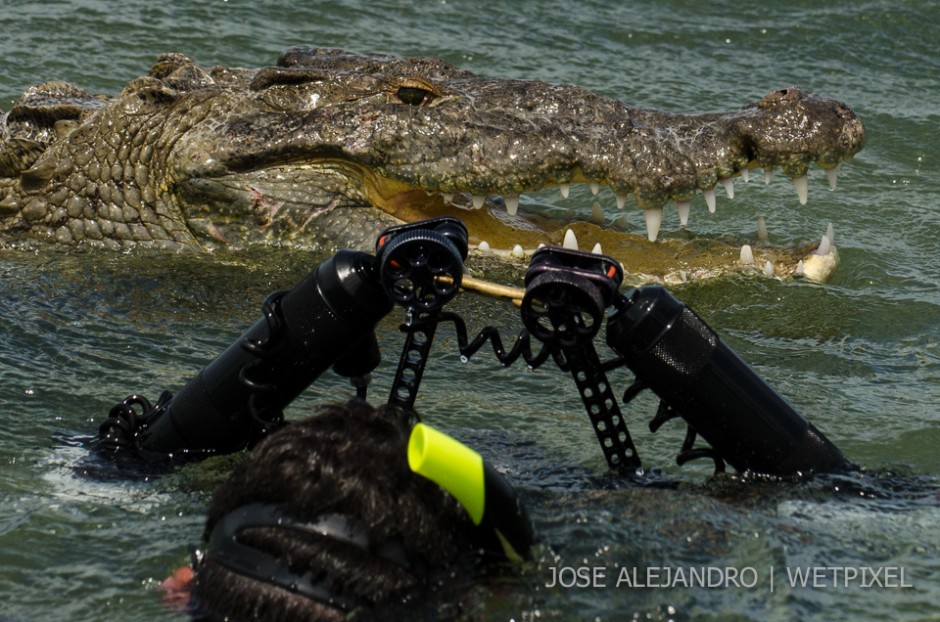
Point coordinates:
[[327, 320], [567, 293]]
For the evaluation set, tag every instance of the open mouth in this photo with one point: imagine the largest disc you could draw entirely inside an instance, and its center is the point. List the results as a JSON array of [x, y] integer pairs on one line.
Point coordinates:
[[663, 245], [514, 227]]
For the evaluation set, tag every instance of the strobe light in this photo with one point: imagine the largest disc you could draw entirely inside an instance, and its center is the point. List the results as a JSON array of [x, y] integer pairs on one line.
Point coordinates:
[[698, 377]]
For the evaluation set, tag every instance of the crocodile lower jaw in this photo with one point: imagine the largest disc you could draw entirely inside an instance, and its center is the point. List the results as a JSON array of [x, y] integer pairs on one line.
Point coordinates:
[[684, 260]]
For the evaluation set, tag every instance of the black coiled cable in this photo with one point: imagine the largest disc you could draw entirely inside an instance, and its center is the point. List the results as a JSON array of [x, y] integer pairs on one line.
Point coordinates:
[[420, 329], [122, 429], [521, 347], [265, 418]]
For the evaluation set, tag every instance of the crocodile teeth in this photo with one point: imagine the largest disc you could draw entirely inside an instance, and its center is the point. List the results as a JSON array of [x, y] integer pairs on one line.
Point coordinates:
[[831, 233], [728, 183], [833, 175], [801, 185], [762, 229], [683, 207], [654, 219], [710, 199], [571, 240], [597, 250], [820, 263], [512, 204], [747, 255]]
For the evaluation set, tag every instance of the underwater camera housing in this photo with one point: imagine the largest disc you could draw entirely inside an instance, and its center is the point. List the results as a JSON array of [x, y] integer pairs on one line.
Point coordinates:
[[328, 320]]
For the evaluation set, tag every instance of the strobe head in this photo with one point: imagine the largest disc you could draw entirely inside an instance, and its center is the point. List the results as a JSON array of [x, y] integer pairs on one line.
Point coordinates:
[[567, 292], [327, 320], [698, 377], [420, 264]]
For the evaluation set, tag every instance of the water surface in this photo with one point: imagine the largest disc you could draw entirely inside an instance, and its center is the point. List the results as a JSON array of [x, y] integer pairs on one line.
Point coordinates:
[[859, 356]]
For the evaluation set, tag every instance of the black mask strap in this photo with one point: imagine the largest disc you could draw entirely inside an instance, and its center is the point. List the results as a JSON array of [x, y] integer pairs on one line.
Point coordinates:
[[225, 549]]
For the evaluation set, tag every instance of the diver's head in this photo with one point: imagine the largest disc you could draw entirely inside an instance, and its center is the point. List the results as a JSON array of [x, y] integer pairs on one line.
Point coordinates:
[[324, 518]]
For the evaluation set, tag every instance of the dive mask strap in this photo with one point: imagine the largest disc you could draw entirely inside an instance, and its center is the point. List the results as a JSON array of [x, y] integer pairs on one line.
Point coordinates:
[[225, 548], [485, 494]]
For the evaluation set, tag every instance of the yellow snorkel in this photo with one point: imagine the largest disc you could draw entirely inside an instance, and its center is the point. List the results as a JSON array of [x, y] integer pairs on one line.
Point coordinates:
[[480, 489]]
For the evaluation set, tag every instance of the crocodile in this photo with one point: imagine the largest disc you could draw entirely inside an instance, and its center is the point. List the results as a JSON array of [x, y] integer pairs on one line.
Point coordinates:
[[327, 147]]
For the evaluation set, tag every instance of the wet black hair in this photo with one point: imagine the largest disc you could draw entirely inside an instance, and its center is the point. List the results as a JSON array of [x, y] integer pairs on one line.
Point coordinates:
[[348, 461]]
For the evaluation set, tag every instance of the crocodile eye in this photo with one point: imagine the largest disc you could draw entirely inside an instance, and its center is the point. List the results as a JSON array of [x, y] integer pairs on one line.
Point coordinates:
[[414, 96]]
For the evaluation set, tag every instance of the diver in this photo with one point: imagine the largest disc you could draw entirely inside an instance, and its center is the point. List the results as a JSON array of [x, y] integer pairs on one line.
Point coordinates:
[[353, 509], [329, 516]]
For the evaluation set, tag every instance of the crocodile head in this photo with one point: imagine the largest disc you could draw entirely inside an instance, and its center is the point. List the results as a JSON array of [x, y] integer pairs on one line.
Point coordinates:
[[328, 147]]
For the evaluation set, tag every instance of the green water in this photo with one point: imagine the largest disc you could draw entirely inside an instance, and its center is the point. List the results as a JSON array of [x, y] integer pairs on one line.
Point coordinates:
[[859, 356]]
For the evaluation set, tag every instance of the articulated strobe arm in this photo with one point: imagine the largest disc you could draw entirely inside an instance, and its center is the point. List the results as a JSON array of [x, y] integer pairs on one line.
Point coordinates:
[[563, 307]]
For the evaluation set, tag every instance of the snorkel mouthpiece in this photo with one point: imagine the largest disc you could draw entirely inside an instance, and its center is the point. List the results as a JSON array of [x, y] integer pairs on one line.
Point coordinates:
[[479, 488]]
